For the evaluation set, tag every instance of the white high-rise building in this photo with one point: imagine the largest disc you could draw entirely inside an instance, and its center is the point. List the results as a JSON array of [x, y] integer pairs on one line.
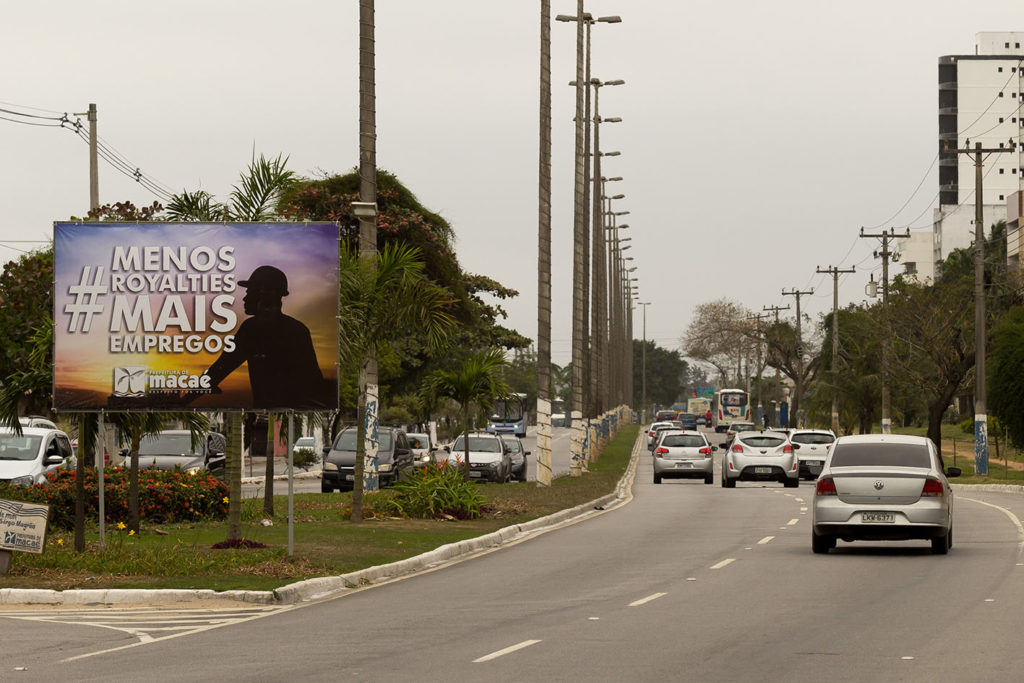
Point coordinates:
[[980, 101]]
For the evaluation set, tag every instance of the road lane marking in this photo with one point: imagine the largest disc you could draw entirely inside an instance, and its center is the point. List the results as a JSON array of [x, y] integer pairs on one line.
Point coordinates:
[[803, 508], [1013, 518], [766, 539], [641, 601], [507, 650], [723, 563], [792, 522], [799, 500]]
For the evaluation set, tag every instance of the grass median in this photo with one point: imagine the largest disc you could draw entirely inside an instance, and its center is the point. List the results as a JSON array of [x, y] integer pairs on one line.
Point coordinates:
[[181, 556]]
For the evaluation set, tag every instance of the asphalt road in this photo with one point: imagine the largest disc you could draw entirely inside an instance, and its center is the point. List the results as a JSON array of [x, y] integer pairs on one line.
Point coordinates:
[[560, 458], [684, 582]]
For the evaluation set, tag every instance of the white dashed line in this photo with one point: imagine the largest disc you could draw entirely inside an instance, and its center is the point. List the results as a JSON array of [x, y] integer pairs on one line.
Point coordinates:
[[803, 509], [766, 539], [793, 521], [642, 601], [723, 563], [507, 650], [799, 500]]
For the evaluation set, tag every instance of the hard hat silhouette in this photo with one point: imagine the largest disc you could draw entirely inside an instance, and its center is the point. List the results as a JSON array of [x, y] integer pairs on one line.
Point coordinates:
[[267, 279]]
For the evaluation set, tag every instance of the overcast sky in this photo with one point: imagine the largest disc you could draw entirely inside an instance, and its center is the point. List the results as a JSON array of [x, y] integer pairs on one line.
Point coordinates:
[[757, 138]]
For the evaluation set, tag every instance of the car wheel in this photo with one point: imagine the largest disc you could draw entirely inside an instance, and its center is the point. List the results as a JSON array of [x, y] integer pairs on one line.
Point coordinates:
[[791, 483], [709, 479], [822, 544], [942, 544], [727, 482], [325, 487], [657, 478]]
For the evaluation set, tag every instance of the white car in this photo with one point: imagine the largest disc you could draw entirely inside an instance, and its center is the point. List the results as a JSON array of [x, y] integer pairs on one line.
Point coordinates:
[[422, 449], [760, 456], [488, 457], [27, 459], [811, 446]]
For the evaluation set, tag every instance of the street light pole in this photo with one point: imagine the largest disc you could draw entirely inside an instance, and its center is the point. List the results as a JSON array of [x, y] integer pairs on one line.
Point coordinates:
[[578, 262], [835, 272], [544, 256], [643, 366]]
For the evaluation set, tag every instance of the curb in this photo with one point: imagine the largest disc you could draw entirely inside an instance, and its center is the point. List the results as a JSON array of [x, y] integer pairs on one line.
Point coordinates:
[[320, 587], [283, 477], [991, 488]]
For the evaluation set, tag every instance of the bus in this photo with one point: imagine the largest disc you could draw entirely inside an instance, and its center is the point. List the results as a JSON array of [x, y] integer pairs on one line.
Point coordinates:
[[728, 406], [509, 416]]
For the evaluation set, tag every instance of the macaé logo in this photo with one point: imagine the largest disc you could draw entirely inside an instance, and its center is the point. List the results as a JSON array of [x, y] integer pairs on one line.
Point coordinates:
[[139, 381]]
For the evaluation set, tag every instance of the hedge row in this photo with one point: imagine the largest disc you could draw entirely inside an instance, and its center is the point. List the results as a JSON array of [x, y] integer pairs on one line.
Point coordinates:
[[164, 496]]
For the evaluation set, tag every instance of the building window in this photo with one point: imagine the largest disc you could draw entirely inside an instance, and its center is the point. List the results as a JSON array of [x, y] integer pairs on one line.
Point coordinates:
[[1017, 45], [1007, 45], [1001, 68], [1001, 197], [1000, 94], [1000, 119], [1000, 171]]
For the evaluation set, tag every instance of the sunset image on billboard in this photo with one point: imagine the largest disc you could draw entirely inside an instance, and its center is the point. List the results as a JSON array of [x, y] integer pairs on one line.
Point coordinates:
[[176, 316]]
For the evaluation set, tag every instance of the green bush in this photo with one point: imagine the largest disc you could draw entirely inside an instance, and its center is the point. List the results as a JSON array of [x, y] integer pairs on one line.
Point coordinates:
[[164, 496], [435, 491], [304, 457], [994, 426]]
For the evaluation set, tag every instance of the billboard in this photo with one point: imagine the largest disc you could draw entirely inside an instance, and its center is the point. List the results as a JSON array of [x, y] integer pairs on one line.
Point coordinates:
[[204, 316]]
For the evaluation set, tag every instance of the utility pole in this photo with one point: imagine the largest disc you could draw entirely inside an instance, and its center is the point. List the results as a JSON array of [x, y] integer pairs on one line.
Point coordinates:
[[778, 375], [798, 389], [835, 272], [757, 318], [980, 410], [94, 167], [887, 328], [643, 367], [578, 262], [544, 256]]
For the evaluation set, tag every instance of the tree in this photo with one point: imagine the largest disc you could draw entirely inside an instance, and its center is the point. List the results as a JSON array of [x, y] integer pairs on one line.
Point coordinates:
[[1006, 373], [720, 334], [381, 303], [666, 374], [26, 300], [477, 381], [254, 198]]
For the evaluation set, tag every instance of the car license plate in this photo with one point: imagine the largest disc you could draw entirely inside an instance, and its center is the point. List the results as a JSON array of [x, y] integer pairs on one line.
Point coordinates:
[[474, 475], [349, 477], [684, 464], [763, 470], [878, 517]]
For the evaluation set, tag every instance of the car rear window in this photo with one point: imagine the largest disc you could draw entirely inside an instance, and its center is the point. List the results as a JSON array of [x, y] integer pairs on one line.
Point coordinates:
[[346, 441], [756, 441], [813, 438], [884, 454], [682, 440]]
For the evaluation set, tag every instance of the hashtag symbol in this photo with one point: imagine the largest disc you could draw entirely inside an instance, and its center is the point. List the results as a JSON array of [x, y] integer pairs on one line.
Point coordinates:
[[86, 295]]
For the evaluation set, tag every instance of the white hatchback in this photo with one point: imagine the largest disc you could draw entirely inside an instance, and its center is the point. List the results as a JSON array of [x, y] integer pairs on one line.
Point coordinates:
[[27, 459]]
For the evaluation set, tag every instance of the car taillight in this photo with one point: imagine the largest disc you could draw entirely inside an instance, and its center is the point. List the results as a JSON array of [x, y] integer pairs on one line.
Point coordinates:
[[660, 452], [736, 448], [788, 448], [825, 487], [932, 488], [706, 452]]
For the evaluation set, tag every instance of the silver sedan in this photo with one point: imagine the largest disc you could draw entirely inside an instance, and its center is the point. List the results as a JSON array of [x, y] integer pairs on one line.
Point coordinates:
[[883, 487], [683, 454]]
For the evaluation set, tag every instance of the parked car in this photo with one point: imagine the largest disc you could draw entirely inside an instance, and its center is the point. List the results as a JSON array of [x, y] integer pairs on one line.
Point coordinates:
[[883, 487], [811, 446], [760, 456], [663, 415], [422, 449], [27, 459], [488, 457], [683, 454], [517, 454], [36, 421], [173, 448], [394, 456]]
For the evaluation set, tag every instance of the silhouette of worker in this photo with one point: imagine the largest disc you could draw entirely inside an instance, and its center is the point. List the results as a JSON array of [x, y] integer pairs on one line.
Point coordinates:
[[283, 370]]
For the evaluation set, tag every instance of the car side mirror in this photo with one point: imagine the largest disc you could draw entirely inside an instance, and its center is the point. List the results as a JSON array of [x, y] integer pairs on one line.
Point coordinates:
[[526, 452], [953, 471], [714, 448], [447, 449], [796, 447], [326, 449], [402, 451], [52, 460]]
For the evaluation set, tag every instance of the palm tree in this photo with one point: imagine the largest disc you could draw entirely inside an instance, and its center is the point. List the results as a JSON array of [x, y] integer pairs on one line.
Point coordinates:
[[477, 381], [383, 301], [253, 199]]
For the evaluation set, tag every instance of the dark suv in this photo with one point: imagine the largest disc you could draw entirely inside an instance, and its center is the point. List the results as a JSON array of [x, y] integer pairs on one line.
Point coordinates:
[[394, 456], [173, 448]]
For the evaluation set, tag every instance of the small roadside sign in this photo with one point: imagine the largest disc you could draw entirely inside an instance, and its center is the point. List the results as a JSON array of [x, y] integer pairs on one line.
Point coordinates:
[[23, 526]]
